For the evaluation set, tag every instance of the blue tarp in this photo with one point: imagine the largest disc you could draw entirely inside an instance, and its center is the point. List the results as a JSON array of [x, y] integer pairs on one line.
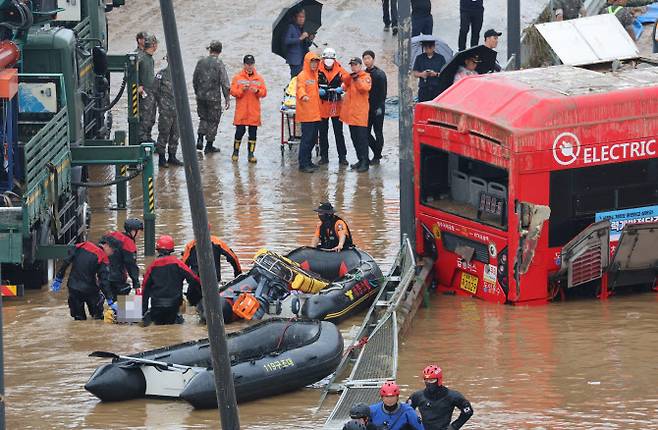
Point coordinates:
[[650, 16]]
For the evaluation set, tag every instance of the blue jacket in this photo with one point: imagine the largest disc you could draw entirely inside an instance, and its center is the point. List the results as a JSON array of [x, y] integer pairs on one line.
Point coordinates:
[[404, 416], [295, 48]]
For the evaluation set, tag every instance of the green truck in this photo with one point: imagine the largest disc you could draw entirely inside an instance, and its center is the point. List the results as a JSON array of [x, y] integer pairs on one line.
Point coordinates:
[[55, 90]]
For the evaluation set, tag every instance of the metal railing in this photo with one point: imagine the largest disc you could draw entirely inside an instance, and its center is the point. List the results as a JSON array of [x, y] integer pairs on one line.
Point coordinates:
[[373, 354]]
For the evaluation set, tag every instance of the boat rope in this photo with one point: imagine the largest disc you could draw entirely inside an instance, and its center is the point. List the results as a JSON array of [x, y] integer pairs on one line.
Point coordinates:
[[360, 344], [285, 329]]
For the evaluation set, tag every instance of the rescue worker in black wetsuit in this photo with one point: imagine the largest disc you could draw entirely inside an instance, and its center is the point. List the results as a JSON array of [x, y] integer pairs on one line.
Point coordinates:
[[332, 232], [163, 285], [436, 402], [219, 249], [355, 425], [123, 263], [360, 413], [88, 282]]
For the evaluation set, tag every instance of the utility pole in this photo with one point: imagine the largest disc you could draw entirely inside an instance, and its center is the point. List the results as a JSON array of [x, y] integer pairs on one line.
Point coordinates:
[[405, 104], [2, 369], [514, 32], [224, 387]]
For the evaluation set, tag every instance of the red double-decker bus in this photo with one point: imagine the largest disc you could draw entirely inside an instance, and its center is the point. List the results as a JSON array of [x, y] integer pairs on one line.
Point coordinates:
[[540, 182]]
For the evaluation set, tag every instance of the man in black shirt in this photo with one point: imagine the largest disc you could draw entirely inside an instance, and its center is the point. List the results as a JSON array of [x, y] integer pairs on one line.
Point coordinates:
[[421, 17], [377, 100], [470, 16], [436, 402], [427, 67]]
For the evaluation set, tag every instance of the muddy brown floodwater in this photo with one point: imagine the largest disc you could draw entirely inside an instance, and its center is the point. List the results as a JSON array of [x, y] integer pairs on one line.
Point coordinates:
[[580, 365]]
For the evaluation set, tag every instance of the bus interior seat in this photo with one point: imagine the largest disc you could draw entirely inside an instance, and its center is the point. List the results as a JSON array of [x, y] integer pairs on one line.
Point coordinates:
[[498, 190], [459, 186], [476, 186]]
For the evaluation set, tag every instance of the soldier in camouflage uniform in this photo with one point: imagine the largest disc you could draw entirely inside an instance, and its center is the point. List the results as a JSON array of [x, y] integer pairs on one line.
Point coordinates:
[[147, 106], [163, 91], [210, 83]]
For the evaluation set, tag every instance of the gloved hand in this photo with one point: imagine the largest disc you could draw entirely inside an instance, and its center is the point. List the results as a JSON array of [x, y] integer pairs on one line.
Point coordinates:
[[323, 92], [340, 90], [57, 284], [379, 112], [113, 305]]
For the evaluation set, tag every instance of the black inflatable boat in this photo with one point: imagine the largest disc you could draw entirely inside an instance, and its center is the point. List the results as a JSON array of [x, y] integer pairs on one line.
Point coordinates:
[[273, 357], [355, 277], [352, 275]]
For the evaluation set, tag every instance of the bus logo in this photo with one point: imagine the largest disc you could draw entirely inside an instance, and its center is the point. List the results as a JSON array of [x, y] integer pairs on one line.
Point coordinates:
[[566, 149]]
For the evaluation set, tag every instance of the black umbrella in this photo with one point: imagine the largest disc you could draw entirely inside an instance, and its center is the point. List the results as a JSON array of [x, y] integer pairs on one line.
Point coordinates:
[[313, 9], [487, 58]]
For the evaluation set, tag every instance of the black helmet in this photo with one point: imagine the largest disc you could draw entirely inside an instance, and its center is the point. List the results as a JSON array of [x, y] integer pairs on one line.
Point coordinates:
[[360, 410], [325, 208], [133, 224], [354, 425]]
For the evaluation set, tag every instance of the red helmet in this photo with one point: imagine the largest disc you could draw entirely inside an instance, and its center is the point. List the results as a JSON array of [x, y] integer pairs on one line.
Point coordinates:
[[433, 372], [389, 388], [165, 242]]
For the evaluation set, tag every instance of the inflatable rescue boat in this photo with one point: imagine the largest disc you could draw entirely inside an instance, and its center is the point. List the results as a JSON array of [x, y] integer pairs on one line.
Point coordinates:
[[318, 285], [273, 357]]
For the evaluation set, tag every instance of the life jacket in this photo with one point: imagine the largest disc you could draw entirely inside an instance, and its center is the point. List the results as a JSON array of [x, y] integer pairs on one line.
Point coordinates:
[[330, 80], [329, 235]]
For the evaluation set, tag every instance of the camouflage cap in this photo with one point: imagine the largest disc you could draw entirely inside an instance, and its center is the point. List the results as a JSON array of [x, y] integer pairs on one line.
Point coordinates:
[[215, 46], [150, 40]]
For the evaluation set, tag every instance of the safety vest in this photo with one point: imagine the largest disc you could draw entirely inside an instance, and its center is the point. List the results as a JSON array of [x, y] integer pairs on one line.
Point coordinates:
[[329, 236], [613, 10]]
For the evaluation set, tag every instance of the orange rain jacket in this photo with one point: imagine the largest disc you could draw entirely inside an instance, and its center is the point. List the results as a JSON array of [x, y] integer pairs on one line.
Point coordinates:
[[247, 105], [307, 85], [355, 104], [329, 109]]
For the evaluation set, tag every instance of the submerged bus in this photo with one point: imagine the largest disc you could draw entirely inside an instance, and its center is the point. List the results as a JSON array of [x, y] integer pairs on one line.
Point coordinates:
[[542, 182]]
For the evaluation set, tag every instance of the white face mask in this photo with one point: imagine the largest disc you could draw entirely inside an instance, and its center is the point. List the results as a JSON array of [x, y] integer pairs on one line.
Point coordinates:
[[329, 62]]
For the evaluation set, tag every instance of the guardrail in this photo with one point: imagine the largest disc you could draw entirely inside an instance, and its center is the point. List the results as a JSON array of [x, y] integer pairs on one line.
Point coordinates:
[[373, 355]]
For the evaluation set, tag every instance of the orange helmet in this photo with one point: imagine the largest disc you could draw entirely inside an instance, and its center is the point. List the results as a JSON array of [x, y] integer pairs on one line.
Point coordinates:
[[433, 372], [390, 388], [165, 242], [246, 306]]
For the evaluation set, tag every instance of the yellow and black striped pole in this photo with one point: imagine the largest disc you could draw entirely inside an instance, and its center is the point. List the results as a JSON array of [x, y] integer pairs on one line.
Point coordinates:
[[149, 198]]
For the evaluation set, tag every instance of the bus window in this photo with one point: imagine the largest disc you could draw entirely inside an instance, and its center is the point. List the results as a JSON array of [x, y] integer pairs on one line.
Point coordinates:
[[463, 186], [595, 189]]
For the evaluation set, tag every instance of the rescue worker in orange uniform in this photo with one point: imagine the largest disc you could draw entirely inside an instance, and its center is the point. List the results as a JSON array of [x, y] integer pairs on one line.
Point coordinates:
[[332, 232], [163, 285], [308, 110], [354, 111], [248, 87], [330, 78]]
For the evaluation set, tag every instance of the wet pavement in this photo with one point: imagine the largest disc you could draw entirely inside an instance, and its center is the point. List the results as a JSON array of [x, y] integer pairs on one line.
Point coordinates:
[[581, 365]]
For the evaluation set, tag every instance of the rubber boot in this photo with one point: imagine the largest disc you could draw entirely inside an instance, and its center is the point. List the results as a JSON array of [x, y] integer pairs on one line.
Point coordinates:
[[162, 160], [236, 150], [252, 148], [199, 142], [173, 161], [209, 148]]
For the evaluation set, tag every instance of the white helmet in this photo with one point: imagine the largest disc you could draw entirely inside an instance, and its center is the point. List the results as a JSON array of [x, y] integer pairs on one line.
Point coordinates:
[[329, 53]]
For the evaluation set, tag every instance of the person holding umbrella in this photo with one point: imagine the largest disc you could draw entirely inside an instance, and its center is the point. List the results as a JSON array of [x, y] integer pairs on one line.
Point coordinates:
[[297, 42], [427, 67], [468, 69]]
